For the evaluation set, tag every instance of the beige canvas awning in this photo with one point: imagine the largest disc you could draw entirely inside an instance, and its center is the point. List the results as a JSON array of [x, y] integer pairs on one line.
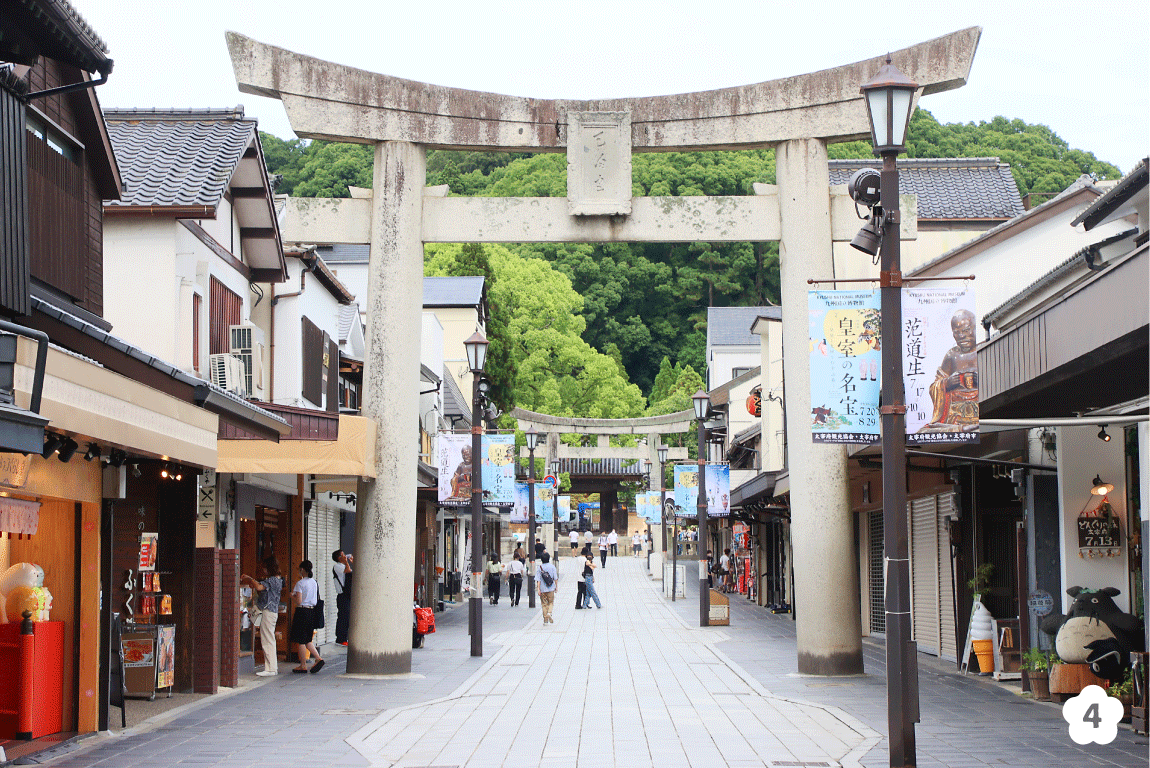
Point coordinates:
[[351, 455]]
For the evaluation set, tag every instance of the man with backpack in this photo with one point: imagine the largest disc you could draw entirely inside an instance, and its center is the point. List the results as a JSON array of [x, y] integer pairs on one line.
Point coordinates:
[[548, 582]]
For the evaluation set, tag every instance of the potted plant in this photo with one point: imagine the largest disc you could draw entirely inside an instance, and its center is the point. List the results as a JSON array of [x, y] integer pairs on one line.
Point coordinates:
[[1036, 664], [980, 582], [1124, 692]]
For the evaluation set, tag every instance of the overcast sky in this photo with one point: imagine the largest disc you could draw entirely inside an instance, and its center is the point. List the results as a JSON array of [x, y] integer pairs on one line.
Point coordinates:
[[1080, 68]]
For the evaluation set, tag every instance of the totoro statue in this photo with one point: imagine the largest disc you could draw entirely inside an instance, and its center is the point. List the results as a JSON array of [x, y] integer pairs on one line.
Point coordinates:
[[1093, 616]]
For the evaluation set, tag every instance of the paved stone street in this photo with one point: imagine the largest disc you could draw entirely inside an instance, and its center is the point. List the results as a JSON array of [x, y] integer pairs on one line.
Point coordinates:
[[635, 684]]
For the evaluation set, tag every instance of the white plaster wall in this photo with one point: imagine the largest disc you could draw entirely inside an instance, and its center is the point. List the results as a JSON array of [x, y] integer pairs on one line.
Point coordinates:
[[431, 404], [773, 442], [721, 360], [322, 309], [224, 227], [458, 324], [738, 418], [141, 285], [354, 278], [1081, 456], [928, 245]]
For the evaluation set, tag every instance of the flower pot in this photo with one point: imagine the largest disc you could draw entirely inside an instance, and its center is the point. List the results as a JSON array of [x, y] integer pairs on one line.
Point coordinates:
[[1039, 685], [984, 649]]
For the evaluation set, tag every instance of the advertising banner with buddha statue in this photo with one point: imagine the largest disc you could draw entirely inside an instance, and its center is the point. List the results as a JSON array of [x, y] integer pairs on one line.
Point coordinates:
[[940, 365]]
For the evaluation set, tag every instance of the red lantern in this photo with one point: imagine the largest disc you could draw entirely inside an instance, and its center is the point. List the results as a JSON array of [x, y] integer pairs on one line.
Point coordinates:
[[755, 402]]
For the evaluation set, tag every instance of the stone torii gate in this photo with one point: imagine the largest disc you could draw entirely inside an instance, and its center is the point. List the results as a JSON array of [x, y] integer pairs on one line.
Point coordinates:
[[798, 116]]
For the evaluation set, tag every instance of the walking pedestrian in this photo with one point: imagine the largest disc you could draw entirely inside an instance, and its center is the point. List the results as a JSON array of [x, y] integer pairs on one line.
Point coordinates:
[[305, 596], [603, 547], [710, 570], [587, 537], [268, 591], [636, 544], [574, 539], [494, 570], [540, 547], [589, 583], [725, 570], [515, 580], [613, 542], [580, 586], [341, 572], [548, 582]]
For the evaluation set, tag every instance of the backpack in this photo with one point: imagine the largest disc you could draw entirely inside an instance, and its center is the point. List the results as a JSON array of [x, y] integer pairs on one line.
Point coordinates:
[[543, 574]]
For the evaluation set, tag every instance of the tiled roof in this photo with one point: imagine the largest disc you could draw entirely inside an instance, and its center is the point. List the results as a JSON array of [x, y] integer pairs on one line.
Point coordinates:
[[452, 291], [177, 157], [731, 326], [344, 253], [949, 188]]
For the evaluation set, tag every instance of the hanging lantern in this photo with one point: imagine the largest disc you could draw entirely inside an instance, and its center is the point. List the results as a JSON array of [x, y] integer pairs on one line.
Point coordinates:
[[755, 402]]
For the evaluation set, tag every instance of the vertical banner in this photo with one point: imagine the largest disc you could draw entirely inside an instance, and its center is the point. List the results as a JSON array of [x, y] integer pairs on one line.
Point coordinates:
[[455, 469], [520, 512], [844, 332], [565, 509], [544, 502], [498, 470], [654, 508], [718, 490], [940, 365], [686, 488]]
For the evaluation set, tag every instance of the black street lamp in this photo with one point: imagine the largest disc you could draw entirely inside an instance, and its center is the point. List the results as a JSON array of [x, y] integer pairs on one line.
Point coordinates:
[[650, 487], [662, 451], [889, 97], [555, 513], [532, 441], [476, 347], [702, 404]]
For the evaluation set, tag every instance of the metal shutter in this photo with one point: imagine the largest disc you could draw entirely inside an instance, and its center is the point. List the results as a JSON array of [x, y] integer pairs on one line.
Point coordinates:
[[924, 574], [947, 635], [322, 540], [877, 584]]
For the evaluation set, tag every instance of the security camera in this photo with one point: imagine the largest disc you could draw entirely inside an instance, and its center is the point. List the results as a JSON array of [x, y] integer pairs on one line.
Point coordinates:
[[864, 187]]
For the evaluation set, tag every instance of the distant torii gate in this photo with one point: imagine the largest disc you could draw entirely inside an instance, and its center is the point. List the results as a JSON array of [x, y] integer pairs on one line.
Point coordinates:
[[651, 427], [798, 116]]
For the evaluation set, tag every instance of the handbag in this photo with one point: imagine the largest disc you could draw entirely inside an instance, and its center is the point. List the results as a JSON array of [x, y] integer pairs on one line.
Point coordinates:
[[317, 612]]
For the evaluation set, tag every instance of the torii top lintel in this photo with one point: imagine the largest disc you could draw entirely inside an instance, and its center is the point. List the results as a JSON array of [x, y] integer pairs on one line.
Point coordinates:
[[331, 101]]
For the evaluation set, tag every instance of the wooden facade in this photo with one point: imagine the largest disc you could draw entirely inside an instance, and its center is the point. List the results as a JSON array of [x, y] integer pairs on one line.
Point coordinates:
[[14, 298]]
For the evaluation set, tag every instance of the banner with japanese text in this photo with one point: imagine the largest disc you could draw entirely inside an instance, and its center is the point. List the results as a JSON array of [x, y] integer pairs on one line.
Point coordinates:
[[845, 357], [565, 513], [718, 477], [940, 365], [520, 512], [544, 503], [455, 469], [654, 507]]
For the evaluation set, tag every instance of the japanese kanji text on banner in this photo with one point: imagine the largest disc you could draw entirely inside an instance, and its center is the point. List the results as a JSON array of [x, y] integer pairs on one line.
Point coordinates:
[[844, 333], [940, 365], [455, 469]]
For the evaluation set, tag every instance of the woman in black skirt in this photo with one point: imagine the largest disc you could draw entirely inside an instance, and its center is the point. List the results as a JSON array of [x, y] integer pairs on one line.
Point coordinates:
[[304, 596]]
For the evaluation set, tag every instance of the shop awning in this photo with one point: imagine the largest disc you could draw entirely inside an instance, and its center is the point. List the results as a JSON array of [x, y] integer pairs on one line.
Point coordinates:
[[350, 454]]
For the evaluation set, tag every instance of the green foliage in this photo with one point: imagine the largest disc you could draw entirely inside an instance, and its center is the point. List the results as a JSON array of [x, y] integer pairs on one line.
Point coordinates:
[[1124, 687], [556, 371], [1037, 660], [980, 582]]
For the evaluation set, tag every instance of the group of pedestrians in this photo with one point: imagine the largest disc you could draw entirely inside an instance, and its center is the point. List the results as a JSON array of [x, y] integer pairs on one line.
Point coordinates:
[[514, 571], [585, 582], [305, 620]]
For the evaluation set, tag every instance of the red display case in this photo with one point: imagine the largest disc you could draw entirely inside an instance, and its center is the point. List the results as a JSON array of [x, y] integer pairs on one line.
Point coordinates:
[[31, 680]]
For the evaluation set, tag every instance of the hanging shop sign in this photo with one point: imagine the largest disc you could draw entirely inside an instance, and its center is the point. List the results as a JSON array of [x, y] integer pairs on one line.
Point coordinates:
[[149, 545], [718, 489], [14, 469], [940, 365], [1099, 532], [456, 469], [845, 358], [19, 517]]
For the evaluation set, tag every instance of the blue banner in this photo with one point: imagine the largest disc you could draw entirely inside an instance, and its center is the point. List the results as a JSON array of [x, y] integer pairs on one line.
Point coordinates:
[[844, 332]]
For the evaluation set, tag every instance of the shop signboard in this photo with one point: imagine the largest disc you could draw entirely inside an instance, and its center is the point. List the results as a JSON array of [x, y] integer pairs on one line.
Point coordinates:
[[845, 359]]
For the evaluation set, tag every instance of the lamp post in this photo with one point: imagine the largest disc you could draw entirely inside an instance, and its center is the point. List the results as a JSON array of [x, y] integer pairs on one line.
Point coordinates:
[[650, 487], [555, 513], [889, 97], [476, 347], [702, 404], [662, 451], [532, 441]]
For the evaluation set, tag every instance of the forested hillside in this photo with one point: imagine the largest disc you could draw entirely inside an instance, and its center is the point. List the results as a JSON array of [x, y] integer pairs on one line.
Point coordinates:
[[645, 304]]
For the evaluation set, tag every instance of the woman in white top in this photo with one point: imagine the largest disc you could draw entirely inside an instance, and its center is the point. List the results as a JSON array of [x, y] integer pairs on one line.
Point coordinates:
[[304, 596]]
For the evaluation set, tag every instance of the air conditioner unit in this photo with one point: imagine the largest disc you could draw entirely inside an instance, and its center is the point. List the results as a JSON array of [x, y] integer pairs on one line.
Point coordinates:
[[247, 343], [227, 373]]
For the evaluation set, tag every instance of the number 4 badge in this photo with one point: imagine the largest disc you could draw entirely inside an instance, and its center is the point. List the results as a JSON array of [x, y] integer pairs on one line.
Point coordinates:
[[1093, 716]]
